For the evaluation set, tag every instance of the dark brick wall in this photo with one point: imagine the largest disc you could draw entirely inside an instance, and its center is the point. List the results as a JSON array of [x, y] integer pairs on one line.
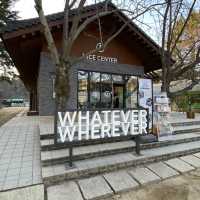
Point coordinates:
[[45, 83], [45, 86]]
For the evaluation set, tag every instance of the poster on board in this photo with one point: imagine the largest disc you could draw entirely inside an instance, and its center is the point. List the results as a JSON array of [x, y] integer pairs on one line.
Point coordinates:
[[145, 97], [162, 111]]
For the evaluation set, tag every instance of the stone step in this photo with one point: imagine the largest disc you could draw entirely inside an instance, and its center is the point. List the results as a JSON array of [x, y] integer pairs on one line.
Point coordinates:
[[84, 168], [129, 179], [186, 129], [186, 123], [48, 144], [44, 136], [84, 152]]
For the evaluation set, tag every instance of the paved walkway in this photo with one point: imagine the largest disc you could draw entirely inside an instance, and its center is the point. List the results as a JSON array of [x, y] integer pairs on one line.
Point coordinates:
[[176, 117], [183, 187], [101, 186], [19, 153], [20, 164], [8, 113]]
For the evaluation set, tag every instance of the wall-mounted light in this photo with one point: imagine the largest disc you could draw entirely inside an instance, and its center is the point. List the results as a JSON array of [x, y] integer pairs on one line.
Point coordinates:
[[53, 79]]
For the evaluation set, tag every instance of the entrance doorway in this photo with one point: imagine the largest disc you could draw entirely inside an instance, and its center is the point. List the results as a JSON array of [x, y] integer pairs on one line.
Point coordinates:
[[98, 90], [118, 100]]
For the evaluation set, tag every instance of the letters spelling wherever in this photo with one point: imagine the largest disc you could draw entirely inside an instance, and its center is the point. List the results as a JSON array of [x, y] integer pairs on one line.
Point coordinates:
[[100, 124]]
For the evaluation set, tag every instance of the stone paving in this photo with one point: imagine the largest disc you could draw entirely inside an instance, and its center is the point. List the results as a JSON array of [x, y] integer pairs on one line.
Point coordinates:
[[176, 117], [120, 181], [192, 160], [98, 164], [20, 164], [143, 175], [68, 189], [100, 186], [94, 187], [162, 170], [179, 165], [19, 153]]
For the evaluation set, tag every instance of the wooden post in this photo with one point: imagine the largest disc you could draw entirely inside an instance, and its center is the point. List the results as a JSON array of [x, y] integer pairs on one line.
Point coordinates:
[[137, 147], [70, 156]]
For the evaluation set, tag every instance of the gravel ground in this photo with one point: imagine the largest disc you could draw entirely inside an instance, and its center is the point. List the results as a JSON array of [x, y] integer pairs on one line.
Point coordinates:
[[8, 113], [184, 187]]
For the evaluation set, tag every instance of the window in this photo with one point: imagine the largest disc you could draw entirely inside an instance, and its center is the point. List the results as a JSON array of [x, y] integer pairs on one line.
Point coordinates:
[[131, 91], [103, 90], [106, 91], [82, 89], [95, 90]]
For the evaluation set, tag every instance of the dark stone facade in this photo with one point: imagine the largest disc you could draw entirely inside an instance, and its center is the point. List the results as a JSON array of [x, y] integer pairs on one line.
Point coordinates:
[[45, 81]]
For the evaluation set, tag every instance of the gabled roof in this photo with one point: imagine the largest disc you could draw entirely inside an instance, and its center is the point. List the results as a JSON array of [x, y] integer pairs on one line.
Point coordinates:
[[27, 23], [19, 25], [23, 40]]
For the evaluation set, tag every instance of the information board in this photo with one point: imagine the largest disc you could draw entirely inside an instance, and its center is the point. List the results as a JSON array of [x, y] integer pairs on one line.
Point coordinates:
[[145, 97]]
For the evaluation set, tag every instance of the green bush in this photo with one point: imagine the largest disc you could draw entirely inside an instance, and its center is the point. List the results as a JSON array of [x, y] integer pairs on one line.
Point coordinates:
[[182, 101], [196, 106]]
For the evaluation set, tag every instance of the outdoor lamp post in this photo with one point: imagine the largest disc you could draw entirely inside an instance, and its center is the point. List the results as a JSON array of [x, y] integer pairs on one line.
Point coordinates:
[[53, 78], [190, 114]]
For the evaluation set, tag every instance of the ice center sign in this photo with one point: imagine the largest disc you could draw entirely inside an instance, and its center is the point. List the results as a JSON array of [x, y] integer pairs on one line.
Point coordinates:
[[94, 57], [79, 125], [101, 58]]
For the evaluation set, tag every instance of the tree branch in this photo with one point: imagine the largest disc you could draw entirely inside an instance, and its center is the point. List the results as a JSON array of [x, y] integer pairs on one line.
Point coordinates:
[[108, 12], [183, 27], [75, 23], [48, 36], [65, 28], [189, 87]]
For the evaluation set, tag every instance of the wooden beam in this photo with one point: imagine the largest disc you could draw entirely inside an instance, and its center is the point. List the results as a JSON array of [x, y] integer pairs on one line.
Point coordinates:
[[38, 27]]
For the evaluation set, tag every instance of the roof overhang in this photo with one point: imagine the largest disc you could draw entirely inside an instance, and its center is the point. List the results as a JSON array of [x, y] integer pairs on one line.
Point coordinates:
[[24, 30]]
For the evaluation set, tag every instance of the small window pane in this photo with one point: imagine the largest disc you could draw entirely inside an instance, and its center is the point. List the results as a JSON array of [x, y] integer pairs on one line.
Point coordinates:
[[106, 91], [117, 79], [94, 90], [82, 89], [131, 91]]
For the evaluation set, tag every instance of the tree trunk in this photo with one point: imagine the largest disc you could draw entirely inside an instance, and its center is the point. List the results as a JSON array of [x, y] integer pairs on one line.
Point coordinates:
[[164, 79], [165, 87], [62, 84], [165, 76]]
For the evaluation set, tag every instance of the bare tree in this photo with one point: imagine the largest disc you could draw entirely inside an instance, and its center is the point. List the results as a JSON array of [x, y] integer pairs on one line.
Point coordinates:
[[73, 26], [179, 56]]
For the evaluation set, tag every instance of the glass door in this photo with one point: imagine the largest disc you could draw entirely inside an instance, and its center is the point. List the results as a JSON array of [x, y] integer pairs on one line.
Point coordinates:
[[118, 99], [106, 91]]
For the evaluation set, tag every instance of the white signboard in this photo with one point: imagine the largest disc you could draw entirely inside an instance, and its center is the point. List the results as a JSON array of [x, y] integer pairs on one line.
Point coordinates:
[[163, 126], [145, 96], [79, 125], [162, 103]]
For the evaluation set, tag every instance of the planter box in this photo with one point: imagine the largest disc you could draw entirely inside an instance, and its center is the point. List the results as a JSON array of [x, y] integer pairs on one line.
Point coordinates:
[[190, 115]]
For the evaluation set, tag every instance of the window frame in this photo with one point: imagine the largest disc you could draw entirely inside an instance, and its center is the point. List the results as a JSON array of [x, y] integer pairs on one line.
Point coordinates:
[[110, 73]]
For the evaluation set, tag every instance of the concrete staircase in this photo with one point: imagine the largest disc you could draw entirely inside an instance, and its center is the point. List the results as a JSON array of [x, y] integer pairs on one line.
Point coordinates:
[[95, 157]]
